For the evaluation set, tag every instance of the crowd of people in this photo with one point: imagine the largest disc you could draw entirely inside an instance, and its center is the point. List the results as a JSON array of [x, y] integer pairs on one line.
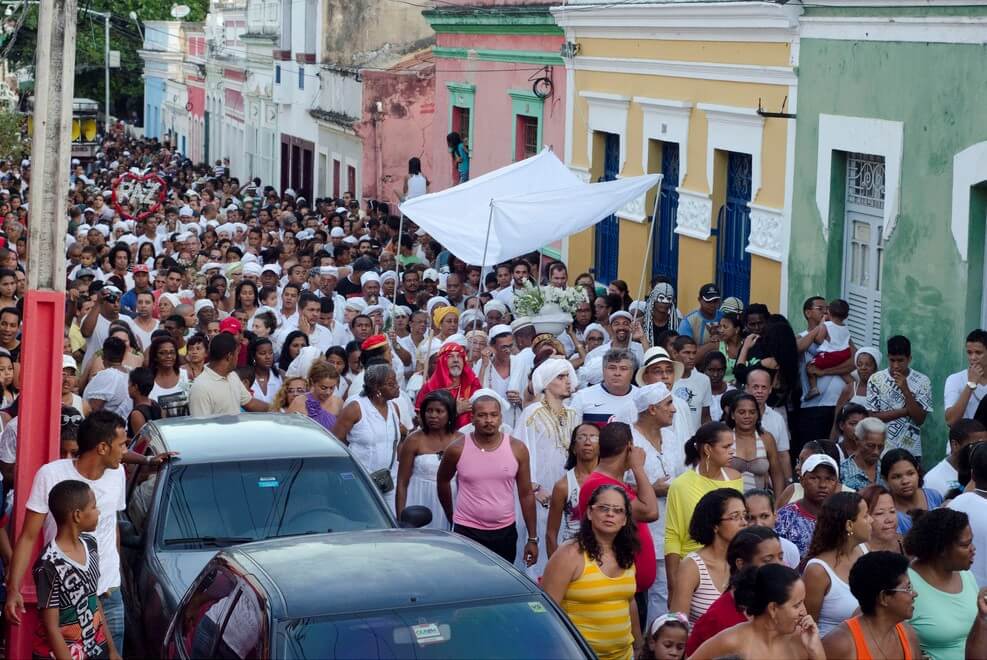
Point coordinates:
[[724, 482]]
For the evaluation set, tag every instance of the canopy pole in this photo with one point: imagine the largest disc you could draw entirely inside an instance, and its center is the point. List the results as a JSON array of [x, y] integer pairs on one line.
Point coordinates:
[[651, 241], [486, 244], [397, 262]]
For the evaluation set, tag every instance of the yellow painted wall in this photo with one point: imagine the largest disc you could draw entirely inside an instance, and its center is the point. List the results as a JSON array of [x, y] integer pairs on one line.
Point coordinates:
[[697, 258]]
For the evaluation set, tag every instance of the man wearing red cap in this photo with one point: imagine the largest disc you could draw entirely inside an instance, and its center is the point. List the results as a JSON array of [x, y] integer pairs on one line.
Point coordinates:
[[231, 325], [453, 374]]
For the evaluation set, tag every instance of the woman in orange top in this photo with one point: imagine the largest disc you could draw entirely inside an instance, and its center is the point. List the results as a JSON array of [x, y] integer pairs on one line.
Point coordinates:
[[879, 581]]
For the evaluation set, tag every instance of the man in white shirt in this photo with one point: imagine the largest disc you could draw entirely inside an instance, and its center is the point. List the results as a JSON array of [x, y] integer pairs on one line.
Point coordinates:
[[944, 477], [693, 387], [109, 389], [611, 400], [95, 327], [965, 389], [659, 367], [102, 439], [218, 390], [974, 505], [620, 325], [309, 309], [759, 386]]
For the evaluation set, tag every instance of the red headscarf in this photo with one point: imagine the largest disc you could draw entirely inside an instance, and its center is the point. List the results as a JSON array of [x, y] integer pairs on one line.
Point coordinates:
[[442, 380]]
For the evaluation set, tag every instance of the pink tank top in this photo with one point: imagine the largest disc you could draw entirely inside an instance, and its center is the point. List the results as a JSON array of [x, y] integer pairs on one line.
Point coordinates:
[[485, 483]]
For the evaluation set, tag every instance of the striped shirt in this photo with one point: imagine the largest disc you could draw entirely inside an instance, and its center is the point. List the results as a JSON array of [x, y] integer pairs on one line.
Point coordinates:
[[706, 592], [599, 606]]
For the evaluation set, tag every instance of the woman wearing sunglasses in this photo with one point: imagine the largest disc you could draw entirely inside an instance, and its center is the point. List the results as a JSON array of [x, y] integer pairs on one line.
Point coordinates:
[[592, 577]]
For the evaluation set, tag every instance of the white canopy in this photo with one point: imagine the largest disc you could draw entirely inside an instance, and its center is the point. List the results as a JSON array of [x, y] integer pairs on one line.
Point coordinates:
[[527, 205]]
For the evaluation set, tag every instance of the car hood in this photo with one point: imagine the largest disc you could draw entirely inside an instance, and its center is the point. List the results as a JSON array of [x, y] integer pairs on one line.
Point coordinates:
[[179, 568]]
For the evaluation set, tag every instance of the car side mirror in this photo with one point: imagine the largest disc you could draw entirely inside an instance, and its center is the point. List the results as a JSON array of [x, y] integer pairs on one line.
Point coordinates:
[[415, 516]]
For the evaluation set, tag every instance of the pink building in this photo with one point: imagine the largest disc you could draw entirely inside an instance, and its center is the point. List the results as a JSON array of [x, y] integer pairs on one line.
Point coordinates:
[[397, 124], [499, 82]]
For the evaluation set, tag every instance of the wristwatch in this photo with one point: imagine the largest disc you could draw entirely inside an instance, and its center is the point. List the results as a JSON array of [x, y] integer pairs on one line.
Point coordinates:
[[971, 385], [533, 539]]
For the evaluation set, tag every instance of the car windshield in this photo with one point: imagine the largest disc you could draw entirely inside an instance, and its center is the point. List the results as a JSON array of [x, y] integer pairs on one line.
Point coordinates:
[[217, 504], [524, 627]]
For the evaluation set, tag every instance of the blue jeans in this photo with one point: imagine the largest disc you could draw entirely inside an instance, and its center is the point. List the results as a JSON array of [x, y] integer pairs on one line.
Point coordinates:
[[112, 602]]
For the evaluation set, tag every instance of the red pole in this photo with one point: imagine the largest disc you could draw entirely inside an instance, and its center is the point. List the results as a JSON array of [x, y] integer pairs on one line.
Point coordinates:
[[38, 428]]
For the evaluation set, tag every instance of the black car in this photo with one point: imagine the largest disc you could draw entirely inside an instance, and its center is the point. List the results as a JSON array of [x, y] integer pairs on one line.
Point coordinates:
[[377, 594], [236, 479]]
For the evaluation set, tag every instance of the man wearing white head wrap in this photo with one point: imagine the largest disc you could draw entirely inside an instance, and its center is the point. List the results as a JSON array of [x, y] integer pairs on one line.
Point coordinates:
[[653, 433], [546, 427], [500, 370]]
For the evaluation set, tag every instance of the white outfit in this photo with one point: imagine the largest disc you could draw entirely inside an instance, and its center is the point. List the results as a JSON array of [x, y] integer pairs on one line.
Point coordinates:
[[273, 385], [773, 422], [417, 185], [548, 446], [517, 380], [696, 392], [423, 491], [838, 338], [790, 553], [838, 604], [975, 506], [110, 490], [955, 384], [372, 440], [140, 333], [569, 528], [943, 478], [683, 428], [656, 468], [111, 386], [181, 386]]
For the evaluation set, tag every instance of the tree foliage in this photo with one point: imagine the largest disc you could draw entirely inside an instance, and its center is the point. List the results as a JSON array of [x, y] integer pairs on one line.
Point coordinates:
[[126, 84], [13, 145]]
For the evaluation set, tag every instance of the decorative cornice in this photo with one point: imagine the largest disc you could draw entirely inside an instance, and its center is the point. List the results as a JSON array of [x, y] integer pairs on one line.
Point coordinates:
[[916, 29], [743, 73], [767, 225], [491, 55], [505, 20], [692, 21], [694, 215]]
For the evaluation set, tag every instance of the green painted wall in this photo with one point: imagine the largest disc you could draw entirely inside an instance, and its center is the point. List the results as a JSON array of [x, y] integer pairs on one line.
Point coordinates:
[[939, 92]]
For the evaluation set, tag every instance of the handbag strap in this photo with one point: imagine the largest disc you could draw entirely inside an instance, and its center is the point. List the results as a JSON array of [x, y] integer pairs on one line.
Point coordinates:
[[397, 433]]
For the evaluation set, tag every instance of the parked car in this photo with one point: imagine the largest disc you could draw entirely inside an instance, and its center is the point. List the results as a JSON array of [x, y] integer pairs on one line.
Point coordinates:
[[236, 479], [374, 594]]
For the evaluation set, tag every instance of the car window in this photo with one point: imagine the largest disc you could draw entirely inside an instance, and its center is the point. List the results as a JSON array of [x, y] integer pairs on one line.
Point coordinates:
[[203, 614], [242, 637], [226, 503], [525, 627]]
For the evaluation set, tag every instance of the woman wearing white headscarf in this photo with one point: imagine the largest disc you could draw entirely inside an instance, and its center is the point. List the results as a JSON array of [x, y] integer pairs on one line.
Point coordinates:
[[653, 427], [545, 427], [868, 361]]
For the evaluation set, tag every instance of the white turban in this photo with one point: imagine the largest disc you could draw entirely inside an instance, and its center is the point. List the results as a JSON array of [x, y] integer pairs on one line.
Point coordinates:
[[170, 297], [495, 305], [369, 276], [871, 351], [483, 391], [598, 328], [649, 395], [548, 371]]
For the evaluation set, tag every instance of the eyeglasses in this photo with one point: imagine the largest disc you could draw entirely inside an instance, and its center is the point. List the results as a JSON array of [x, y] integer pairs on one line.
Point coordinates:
[[736, 516], [606, 508], [905, 590], [583, 437]]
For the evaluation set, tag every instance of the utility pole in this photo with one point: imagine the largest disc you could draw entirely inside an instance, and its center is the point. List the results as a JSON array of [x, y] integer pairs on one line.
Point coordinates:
[[106, 70], [44, 304]]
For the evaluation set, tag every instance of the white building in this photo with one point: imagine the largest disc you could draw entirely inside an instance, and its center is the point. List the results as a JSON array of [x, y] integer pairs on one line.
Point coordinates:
[[225, 76], [260, 41], [162, 55]]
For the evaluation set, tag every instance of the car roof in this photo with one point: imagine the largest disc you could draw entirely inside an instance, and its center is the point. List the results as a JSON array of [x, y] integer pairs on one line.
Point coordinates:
[[245, 437], [347, 572]]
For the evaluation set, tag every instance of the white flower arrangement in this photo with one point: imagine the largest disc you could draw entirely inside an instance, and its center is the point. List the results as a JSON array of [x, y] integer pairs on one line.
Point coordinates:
[[533, 299]]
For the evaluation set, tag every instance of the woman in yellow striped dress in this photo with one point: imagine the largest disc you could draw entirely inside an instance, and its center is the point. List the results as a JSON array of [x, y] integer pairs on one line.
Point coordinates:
[[592, 576]]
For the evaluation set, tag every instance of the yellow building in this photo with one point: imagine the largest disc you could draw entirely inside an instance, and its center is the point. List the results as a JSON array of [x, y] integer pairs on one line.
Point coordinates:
[[686, 89]]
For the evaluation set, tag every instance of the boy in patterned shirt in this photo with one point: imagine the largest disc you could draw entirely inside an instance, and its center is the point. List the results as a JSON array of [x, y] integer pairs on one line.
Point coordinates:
[[72, 625]]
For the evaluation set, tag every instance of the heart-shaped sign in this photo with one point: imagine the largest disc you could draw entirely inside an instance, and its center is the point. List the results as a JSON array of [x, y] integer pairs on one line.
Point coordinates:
[[146, 193]]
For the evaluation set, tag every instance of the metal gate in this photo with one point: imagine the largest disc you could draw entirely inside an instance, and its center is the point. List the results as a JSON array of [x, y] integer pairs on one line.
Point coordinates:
[[863, 247], [665, 250], [607, 231], [733, 227]]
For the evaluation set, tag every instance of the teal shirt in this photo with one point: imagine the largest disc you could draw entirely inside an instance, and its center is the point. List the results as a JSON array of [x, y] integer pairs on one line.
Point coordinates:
[[942, 620]]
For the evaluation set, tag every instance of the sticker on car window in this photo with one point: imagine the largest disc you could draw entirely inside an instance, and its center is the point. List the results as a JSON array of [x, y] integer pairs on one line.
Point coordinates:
[[268, 482], [536, 607], [346, 475], [427, 633]]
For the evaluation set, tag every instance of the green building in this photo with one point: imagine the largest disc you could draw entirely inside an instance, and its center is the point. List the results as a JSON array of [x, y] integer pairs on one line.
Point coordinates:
[[890, 193]]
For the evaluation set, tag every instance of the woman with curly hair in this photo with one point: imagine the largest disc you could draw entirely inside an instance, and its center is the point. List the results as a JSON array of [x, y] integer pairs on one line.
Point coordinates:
[[592, 577], [941, 543]]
